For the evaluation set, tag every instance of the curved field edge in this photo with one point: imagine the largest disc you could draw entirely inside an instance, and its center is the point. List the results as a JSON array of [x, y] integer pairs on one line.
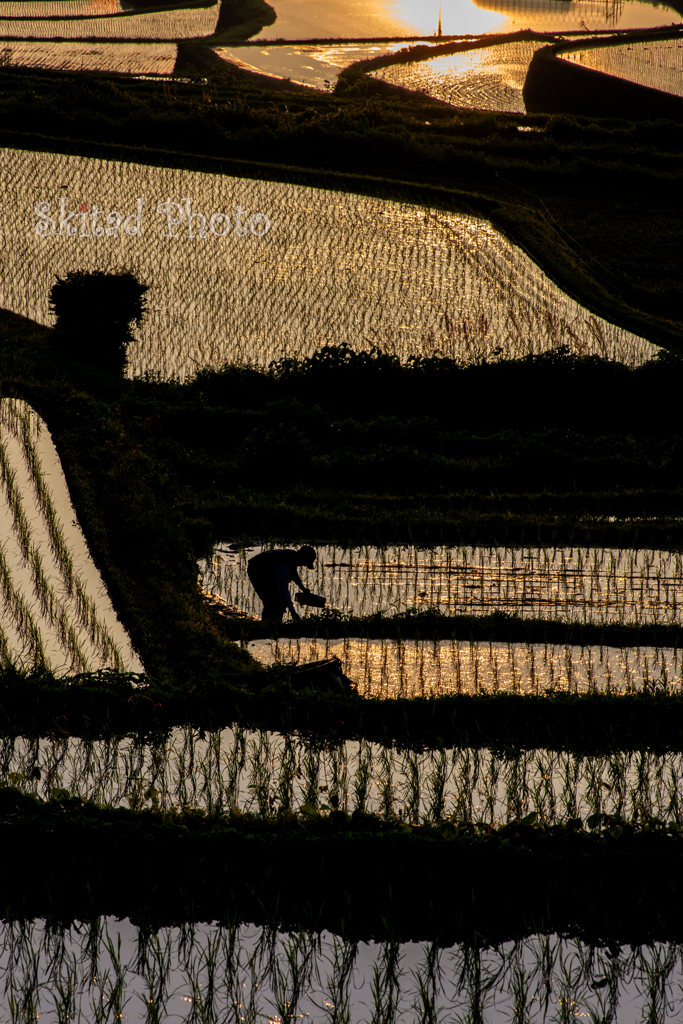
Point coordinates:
[[493, 172], [569, 879]]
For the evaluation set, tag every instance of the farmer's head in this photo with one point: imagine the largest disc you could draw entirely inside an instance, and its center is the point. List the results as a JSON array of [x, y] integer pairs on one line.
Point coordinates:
[[306, 556]]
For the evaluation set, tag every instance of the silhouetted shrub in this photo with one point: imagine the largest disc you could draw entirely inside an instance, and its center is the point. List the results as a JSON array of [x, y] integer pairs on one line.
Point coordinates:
[[94, 313]]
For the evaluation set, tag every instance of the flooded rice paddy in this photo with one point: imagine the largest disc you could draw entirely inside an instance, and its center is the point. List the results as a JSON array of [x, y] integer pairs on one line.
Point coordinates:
[[581, 584], [310, 19], [490, 78], [657, 64], [107, 970], [316, 66], [281, 269], [54, 609], [121, 58], [170, 25], [264, 773], [426, 668], [60, 8]]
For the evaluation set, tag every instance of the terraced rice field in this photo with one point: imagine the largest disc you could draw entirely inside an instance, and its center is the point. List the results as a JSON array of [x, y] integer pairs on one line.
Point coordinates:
[[491, 78], [657, 64], [54, 609], [426, 668], [59, 8], [575, 584], [166, 25], [106, 970], [265, 772], [283, 270], [121, 58], [316, 66]]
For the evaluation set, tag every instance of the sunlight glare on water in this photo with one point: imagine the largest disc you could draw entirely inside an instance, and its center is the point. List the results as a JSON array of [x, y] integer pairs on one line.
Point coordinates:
[[312, 19], [490, 78], [657, 64], [417, 668]]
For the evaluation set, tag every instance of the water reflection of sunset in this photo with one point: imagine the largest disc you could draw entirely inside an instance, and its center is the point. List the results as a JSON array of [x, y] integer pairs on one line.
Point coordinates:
[[309, 19]]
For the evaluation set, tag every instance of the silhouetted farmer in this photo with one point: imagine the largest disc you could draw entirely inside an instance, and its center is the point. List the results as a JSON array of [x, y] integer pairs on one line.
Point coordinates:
[[270, 574]]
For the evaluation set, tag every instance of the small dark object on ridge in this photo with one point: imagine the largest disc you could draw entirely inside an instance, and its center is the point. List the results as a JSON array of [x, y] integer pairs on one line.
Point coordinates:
[[94, 313], [326, 675], [312, 600]]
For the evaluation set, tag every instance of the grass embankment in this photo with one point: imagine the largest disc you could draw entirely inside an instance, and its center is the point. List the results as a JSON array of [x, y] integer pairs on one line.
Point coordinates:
[[453, 880], [594, 202], [359, 448], [92, 707]]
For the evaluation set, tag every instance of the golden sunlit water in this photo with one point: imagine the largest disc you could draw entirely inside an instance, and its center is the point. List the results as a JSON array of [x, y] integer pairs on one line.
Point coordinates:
[[491, 78], [657, 64], [415, 668], [309, 19], [169, 25], [280, 269]]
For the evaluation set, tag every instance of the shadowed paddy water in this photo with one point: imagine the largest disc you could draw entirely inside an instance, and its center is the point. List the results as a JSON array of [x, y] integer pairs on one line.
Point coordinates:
[[265, 270], [310, 19], [657, 64], [54, 609], [265, 773], [107, 970], [598, 585], [491, 78]]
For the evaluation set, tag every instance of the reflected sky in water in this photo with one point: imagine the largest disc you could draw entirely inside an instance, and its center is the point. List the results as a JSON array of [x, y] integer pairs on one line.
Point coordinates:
[[308, 19]]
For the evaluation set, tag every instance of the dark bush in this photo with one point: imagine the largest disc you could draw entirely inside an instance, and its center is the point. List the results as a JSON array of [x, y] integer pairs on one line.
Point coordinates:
[[94, 313]]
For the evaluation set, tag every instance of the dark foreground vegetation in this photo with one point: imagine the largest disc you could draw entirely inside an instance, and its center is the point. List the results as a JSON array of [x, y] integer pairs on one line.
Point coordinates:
[[104, 706], [158, 470], [344, 872]]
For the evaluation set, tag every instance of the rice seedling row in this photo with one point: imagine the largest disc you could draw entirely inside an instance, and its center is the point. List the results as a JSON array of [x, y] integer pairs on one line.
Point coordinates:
[[590, 585], [412, 668], [409, 279], [657, 63], [268, 774], [55, 614], [105, 970], [122, 58], [188, 23]]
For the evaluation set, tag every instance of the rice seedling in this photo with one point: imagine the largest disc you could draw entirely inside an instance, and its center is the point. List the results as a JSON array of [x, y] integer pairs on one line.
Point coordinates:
[[477, 295], [55, 613], [267, 773], [657, 63], [572, 583]]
